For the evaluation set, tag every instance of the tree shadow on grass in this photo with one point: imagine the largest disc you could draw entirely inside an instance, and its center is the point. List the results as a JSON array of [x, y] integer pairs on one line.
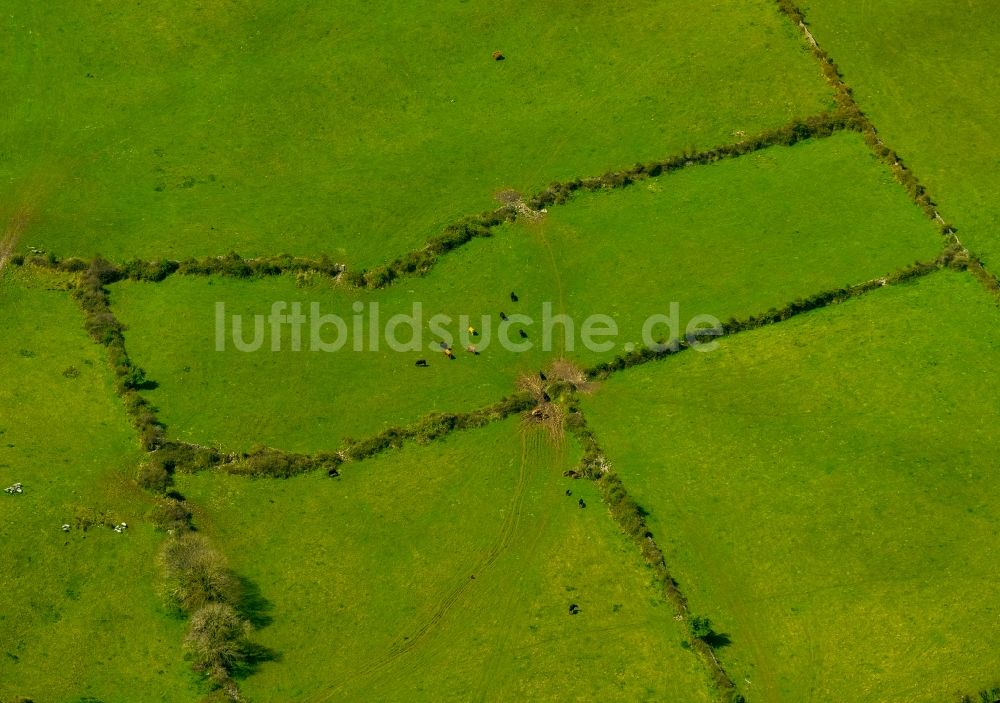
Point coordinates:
[[256, 609], [253, 605], [717, 640]]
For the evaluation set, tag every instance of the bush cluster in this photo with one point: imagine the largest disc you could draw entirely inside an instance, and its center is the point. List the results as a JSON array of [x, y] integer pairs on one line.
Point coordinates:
[[263, 461], [235, 266], [198, 583]]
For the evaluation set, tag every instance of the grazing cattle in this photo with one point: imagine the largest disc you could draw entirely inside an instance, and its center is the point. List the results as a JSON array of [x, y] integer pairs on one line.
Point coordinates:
[[498, 56], [581, 503], [449, 353], [545, 397], [574, 609], [65, 528], [524, 335], [569, 492], [333, 473], [513, 297], [472, 349], [542, 376], [443, 345], [421, 362]]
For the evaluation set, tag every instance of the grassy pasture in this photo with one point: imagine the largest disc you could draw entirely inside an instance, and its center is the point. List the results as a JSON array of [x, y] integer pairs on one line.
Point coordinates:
[[733, 238], [825, 490], [924, 72], [358, 130], [78, 612], [371, 579]]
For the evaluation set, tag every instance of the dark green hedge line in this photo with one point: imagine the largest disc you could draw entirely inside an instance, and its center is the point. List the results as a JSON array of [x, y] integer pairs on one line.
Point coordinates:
[[642, 355], [848, 105], [630, 518], [437, 425], [421, 261], [231, 264], [265, 462], [799, 130], [455, 235], [105, 329]]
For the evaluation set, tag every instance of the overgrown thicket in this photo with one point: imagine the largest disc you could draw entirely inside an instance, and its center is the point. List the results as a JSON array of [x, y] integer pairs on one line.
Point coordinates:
[[644, 354], [632, 521], [198, 583]]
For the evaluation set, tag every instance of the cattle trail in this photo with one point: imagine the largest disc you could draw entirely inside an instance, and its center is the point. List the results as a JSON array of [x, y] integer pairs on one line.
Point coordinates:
[[405, 644], [12, 233]]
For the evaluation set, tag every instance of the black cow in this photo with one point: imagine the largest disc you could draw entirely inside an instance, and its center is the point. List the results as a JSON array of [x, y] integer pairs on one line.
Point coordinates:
[[581, 503], [524, 335], [513, 297], [422, 362], [503, 316]]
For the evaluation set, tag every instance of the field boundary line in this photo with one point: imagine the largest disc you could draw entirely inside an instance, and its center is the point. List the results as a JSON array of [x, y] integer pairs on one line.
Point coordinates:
[[734, 326], [630, 518], [844, 95], [420, 261]]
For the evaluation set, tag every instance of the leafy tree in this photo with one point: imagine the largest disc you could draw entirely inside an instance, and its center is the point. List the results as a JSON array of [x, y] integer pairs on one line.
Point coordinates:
[[218, 641], [700, 626], [195, 574]]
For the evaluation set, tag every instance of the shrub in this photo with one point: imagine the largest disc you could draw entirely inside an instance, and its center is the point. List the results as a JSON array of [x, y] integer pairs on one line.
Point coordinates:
[[195, 574], [273, 463], [170, 514], [154, 477], [218, 641], [700, 627]]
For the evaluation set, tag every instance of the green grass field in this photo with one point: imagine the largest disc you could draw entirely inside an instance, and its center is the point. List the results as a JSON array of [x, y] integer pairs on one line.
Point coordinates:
[[446, 572], [734, 238], [358, 131], [823, 488], [78, 612], [918, 68], [825, 491]]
